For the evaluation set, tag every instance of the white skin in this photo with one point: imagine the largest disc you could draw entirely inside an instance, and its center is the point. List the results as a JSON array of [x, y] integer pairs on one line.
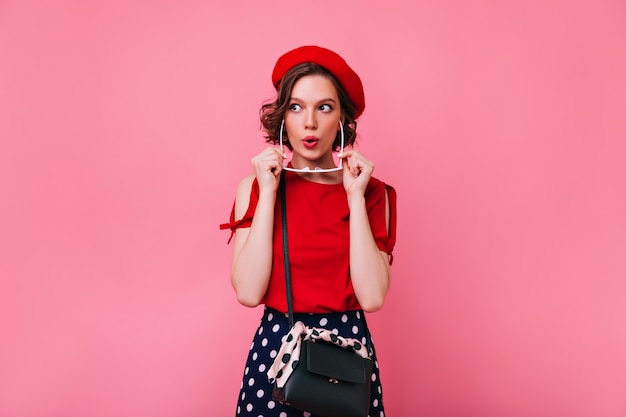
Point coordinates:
[[313, 110]]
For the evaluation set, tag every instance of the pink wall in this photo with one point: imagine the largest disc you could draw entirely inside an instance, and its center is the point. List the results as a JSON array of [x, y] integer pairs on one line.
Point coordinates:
[[126, 126]]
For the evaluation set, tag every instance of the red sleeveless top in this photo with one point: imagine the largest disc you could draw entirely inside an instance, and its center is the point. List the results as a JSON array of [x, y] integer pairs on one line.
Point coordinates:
[[318, 225]]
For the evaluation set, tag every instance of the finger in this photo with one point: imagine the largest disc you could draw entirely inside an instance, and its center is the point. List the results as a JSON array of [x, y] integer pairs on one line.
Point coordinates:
[[280, 151], [269, 154], [273, 165], [345, 154], [277, 165], [365, 167], [348, 163], [346, 167], [355, 163], [352, 168], [267, 168]]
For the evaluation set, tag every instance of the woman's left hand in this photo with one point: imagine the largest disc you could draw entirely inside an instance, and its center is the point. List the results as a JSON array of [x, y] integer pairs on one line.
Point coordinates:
[[357, 171]]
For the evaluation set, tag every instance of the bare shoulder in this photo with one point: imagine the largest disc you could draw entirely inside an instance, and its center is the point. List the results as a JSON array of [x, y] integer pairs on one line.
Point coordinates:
[[243, 195], [246, 183]]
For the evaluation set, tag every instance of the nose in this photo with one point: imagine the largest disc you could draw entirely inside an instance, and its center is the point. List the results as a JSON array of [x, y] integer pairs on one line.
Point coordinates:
[[310, 122]]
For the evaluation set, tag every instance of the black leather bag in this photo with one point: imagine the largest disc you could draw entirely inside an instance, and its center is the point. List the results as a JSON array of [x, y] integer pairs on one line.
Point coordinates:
[[328, 380]]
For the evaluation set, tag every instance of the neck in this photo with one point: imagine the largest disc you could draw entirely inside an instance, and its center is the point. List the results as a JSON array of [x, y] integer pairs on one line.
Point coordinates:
[[334, 177]]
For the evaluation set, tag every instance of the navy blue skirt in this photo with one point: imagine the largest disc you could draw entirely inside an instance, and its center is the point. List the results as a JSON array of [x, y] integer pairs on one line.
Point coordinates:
[[255, 396]]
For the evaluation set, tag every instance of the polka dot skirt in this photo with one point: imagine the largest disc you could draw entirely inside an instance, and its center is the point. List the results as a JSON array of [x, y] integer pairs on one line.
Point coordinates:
[[255, 396]]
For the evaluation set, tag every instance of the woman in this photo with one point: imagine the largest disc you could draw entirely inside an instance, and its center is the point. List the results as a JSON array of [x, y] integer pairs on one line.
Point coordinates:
[[341, 220]]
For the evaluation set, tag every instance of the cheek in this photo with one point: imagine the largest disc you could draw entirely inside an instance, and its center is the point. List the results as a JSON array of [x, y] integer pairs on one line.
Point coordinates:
[[333, 125], [291, 119], [289, 129]]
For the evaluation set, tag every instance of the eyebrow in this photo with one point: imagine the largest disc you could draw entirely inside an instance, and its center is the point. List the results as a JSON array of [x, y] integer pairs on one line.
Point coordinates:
[[319, 102]]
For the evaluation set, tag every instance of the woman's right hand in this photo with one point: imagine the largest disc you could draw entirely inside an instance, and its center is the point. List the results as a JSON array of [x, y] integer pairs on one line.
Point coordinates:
[[267, 167]]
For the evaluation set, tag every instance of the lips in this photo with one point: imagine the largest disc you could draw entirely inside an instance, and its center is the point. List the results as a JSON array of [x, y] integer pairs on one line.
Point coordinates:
[[310, 142]]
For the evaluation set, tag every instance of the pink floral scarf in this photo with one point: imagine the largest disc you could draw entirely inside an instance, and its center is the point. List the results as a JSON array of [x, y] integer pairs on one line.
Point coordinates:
[[289, 351]]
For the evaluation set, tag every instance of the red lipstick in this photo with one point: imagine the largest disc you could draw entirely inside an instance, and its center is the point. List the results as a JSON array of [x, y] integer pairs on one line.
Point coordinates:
[[310, 142]]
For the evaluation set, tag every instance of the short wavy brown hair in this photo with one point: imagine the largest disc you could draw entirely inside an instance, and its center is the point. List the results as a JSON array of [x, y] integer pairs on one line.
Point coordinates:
[[272, 113]]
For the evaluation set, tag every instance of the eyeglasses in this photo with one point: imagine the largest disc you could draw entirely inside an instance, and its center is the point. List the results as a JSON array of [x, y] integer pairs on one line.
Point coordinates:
[[307, 169]]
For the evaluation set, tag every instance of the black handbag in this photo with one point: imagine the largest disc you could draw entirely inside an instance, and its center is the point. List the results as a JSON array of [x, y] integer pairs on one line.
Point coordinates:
[[328, 380]]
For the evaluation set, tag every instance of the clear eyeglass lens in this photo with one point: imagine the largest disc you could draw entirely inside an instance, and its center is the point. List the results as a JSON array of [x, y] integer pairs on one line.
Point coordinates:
[[316, 169]]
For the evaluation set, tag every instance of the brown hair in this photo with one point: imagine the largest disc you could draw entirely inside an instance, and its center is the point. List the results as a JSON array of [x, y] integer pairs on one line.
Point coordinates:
[[272, 113]]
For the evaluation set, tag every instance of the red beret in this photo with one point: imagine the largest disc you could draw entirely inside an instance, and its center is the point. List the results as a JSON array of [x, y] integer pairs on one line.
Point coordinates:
[[326, 58]]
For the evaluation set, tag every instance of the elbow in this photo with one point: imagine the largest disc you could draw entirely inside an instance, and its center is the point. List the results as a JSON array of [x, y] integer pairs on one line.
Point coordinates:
[[247, 295], [373, 302], [372, 306], [248, 300]]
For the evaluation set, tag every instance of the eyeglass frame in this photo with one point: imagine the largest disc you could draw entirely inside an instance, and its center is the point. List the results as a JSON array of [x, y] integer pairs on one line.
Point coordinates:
[[307, 169]]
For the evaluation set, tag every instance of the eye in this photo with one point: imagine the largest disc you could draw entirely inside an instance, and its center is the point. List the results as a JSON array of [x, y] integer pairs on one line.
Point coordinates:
[[326, 108], [294, 107]]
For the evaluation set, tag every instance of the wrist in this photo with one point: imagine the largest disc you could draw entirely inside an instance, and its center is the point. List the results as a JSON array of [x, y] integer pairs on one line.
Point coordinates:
[[267, 193], [356, 200]]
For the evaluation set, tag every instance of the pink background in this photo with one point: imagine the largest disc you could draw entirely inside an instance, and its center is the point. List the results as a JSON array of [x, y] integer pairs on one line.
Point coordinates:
[[126, 126]]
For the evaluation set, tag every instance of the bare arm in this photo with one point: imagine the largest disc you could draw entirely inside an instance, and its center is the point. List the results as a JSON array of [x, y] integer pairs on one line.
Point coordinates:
[[369, 266], [253, 249]]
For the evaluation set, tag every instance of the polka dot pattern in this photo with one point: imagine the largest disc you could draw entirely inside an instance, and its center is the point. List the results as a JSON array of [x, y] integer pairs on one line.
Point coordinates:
[[255, 397]]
